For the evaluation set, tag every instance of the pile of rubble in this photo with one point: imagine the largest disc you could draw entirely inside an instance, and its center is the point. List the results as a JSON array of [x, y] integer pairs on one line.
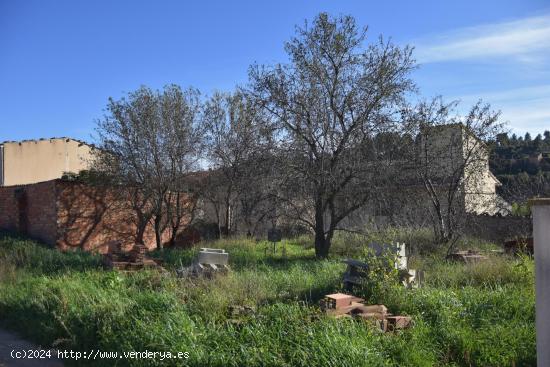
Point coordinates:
[[344, 305], [135, 259], [210, 261]]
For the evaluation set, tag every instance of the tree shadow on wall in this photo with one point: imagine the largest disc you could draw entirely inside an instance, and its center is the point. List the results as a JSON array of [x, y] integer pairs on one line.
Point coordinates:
[[89, 217]]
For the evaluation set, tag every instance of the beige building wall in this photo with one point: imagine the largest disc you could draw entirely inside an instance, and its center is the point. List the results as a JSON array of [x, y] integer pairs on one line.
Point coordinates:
[[34, 161], [480, 184], [445, 149]]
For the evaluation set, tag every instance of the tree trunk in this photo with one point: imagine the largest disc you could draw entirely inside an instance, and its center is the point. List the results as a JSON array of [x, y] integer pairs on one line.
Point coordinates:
[[140, 232], [158, 232], [173, 235], [322, 241], [322, 244]]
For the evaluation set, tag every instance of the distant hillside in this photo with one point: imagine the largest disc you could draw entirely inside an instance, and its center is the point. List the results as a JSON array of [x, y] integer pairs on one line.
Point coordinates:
[[522, 164], [512, 154]]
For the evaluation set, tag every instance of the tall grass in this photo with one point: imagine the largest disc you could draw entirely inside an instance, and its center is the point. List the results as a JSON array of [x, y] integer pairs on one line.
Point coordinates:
[[35, 258], [466, 315]]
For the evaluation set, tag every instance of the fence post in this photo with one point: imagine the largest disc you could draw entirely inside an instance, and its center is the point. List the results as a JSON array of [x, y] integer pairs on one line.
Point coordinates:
[[541, 237]]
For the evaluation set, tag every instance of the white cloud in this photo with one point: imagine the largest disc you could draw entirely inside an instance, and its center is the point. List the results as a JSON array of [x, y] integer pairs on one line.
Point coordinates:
[[526, 108], [526, 40]]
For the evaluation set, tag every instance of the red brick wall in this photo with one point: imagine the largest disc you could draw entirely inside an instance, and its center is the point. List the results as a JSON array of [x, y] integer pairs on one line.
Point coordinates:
[[30, 209], [71, 215], [8, 209], [41, 211], [91, 217]]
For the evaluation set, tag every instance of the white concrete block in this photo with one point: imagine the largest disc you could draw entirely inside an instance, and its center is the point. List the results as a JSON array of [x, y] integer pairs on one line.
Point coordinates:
[[213, 256]]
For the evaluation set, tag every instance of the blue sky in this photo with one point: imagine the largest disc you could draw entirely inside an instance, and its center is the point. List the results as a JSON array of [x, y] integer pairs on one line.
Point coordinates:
[[61, 60]]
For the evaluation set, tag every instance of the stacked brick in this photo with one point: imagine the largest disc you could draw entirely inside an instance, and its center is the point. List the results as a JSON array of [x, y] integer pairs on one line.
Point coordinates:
[[342, 305], [135, 259]]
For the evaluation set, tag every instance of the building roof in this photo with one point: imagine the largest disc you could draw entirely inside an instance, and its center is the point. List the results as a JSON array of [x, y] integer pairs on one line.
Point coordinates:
[[67, 139]]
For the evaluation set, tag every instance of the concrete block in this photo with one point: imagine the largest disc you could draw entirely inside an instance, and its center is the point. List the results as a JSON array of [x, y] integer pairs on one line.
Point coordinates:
[[213, 256]]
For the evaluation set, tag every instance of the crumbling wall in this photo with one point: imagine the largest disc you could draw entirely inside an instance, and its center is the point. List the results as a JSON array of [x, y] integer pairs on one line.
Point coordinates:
[[41, 211]]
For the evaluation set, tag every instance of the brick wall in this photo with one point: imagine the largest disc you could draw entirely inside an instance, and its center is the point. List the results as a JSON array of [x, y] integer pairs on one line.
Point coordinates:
[[71, 215], [41, 211], [91, 217], [30, 209], [8, 209]]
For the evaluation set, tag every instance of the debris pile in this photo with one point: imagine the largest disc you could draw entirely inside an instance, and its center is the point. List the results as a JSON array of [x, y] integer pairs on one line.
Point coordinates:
[[210, 261], [469, 256], [135, 259], [344, 305]]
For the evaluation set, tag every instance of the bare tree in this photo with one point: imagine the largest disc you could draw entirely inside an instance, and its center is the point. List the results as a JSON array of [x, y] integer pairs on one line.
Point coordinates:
[[452, 163], [329, 102], [238, 139], [149, 142]]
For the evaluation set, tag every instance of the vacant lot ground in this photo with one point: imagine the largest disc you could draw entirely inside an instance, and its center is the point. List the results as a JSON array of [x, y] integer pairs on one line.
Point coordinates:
[[466, 315]]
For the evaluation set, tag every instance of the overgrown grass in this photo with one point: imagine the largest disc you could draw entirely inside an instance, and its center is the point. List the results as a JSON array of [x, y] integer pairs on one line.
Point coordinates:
[[17, 252], [466, 315]]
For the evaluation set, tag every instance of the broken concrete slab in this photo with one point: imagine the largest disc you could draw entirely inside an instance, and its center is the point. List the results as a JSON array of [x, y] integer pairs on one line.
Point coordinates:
[[411, 278], [210, 261]]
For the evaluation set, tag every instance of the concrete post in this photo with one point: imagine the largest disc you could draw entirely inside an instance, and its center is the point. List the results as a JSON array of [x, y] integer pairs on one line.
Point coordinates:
[[541, 237]]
